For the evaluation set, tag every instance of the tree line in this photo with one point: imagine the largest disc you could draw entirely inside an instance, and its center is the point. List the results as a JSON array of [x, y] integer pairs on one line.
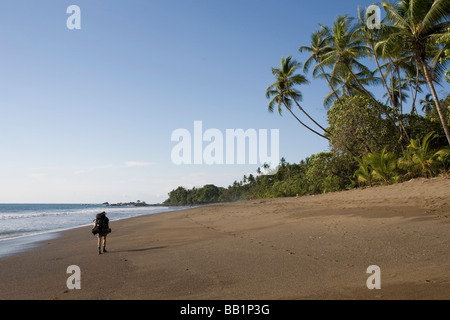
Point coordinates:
[[373, 139]]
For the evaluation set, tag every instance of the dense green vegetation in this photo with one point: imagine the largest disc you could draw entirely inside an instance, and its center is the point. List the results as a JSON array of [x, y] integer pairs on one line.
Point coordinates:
[[373, 140]]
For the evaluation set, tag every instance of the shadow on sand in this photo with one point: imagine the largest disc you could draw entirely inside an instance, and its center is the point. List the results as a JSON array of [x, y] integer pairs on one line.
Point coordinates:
[[142, 249]]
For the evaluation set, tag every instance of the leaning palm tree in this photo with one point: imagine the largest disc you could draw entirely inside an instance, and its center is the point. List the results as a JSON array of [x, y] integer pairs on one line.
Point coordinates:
[[344, 51], [317, 48], [340, 81], [283, 92], [417, 24]]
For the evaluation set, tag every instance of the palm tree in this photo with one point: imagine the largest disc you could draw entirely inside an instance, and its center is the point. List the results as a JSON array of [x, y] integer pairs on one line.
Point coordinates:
[[282, 92], [370, 37], [417, 24], [420, 157], [384, 165], [345, 51], [398, 94], [443, 157], [427, 103], [318, 47], [415, 80], [399, 60], [364, 172], [377, 167]]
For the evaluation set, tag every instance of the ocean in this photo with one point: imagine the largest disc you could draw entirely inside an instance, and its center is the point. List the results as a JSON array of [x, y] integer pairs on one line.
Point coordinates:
[[23, 226]]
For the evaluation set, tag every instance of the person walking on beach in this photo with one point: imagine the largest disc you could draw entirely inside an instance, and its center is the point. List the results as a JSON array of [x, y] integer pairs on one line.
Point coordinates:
[[101, 228]]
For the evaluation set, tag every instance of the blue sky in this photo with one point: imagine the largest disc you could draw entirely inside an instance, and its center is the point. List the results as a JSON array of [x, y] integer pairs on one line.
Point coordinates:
[[87, 115]]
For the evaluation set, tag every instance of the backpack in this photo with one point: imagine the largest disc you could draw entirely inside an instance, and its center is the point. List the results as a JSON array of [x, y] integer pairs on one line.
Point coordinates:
[[101, 224]]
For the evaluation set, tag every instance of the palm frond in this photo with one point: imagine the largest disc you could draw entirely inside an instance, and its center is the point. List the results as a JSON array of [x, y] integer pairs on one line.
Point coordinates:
[[439, 11]]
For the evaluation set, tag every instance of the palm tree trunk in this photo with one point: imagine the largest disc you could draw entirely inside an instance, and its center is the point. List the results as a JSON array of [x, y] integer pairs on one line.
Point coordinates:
[[382, 78], [395, 104], [416, 89], [400, 90], [330, 85], [436, 100], [308, 115], [288, 108]]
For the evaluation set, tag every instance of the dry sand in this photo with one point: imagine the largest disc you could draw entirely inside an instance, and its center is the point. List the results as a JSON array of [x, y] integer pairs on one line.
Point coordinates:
[[314, 247]]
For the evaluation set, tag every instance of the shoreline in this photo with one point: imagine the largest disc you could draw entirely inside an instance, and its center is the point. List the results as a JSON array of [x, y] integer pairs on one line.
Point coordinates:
[[21, 244], [312, 247], [26, 242]]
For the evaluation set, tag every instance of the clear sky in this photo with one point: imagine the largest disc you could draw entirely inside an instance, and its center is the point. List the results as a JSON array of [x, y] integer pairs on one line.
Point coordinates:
[[87, 115]]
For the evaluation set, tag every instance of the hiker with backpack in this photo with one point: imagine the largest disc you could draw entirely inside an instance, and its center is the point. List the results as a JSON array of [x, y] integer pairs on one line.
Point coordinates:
[[101, 229]]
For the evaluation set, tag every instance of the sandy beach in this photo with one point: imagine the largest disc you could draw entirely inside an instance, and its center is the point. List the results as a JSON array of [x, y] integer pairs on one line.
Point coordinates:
[[313, 247]]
